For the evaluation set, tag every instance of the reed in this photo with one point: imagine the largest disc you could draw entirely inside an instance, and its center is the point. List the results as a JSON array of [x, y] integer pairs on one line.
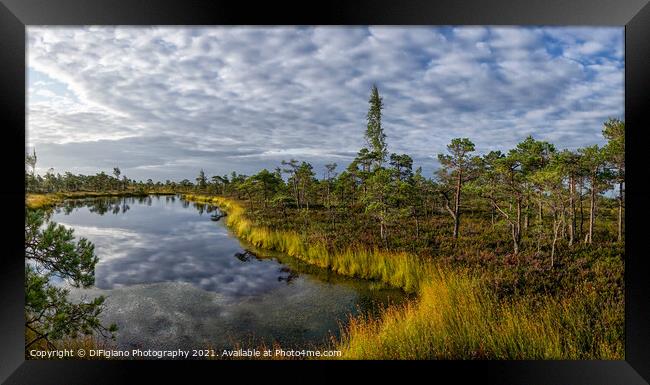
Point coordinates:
[[44, 201], [41, 201], [454, 316], [401, 270]]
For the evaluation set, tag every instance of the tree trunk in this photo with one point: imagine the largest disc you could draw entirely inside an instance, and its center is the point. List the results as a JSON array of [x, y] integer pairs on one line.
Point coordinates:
[[556, 226], [296, 194], [620, 211], [457, 205], [515, 238], [582, 214], [572, 209], [592, 211], [518, 217], [514, 224], [563, 223], [526, 220]]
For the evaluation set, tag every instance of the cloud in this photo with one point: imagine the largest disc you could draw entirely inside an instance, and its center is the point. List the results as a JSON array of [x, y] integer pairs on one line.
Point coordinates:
[[163, 102]]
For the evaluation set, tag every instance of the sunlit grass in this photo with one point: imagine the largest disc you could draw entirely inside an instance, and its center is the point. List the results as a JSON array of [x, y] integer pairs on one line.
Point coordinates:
[[41, 201], [455, 315], [401, 270]]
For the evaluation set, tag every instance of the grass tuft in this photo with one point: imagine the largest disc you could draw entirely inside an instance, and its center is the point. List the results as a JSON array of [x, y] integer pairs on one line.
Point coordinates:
[[401, 270], [455, 315]]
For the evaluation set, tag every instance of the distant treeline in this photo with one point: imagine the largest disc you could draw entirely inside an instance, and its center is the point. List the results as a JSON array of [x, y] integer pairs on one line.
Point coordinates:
[[69, 182], [534, 189]]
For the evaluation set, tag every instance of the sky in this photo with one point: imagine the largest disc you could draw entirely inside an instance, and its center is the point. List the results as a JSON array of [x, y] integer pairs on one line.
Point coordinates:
[[164, 102]]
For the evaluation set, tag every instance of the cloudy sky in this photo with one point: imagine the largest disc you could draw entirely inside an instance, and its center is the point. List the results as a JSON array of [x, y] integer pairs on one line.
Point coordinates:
[[163, 102]]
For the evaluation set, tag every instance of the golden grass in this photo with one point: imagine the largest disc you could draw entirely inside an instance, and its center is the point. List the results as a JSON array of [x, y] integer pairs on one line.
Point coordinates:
[[454, 316], [43, 201], [39, 201], [401, 270]]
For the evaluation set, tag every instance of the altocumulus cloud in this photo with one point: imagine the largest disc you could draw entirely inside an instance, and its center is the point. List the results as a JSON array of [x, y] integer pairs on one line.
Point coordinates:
[[162, 102]]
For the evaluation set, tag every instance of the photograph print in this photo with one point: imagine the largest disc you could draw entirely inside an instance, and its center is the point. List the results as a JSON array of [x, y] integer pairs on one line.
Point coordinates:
[[322, 192]]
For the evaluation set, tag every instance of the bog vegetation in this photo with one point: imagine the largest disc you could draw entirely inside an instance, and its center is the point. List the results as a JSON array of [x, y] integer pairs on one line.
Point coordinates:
[[513, 253]]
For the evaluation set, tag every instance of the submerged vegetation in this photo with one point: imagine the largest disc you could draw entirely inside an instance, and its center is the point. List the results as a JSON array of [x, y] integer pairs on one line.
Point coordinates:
[[511, 255]]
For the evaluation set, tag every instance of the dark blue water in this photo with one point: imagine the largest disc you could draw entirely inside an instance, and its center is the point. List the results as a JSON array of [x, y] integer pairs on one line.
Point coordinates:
[[175, 278]]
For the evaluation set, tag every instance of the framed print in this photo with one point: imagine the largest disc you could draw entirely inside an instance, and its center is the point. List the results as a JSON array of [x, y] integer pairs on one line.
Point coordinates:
[[453, 187]]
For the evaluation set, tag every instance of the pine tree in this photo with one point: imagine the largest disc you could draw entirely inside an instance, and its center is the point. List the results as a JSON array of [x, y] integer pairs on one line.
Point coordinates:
[[374, 132], [614, 132], [51, 250], [456, 169]]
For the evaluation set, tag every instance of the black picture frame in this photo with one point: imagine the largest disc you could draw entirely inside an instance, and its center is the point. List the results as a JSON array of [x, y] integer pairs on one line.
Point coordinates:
[[15, 15]]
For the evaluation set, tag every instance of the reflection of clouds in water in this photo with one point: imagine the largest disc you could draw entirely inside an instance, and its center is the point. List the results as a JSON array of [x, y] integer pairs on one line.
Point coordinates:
[[178, 315], [172, 245], [110, 243], [173, 280], [93, 231]]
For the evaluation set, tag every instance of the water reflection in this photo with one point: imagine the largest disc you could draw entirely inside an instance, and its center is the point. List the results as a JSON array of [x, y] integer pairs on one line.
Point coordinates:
[[155, 240], [103, 205], [159, 262]]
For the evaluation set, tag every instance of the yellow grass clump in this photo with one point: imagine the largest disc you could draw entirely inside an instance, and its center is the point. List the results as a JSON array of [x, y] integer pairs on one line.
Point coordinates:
[[43, 201], [401, 270], [39, 201], [455, 316]]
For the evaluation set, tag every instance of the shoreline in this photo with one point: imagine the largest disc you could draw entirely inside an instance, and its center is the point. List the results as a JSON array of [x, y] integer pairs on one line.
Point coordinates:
[[453, 315], [398, 270], [47, 200]]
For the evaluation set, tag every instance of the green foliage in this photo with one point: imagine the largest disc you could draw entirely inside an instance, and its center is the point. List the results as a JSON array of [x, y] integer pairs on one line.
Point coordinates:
[[52, 183], [542, 241], [458, 157], [456, 168], [52, 253], [472, 303], [402, 166], [544, 296], [201, 180], [374, 131], [614, 132], [457, 317]]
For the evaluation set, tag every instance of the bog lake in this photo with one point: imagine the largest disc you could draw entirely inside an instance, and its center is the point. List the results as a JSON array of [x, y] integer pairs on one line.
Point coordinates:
[[176, 278]]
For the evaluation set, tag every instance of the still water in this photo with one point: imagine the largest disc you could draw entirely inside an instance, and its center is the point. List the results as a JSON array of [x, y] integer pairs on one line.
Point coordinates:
[[176, 278]]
